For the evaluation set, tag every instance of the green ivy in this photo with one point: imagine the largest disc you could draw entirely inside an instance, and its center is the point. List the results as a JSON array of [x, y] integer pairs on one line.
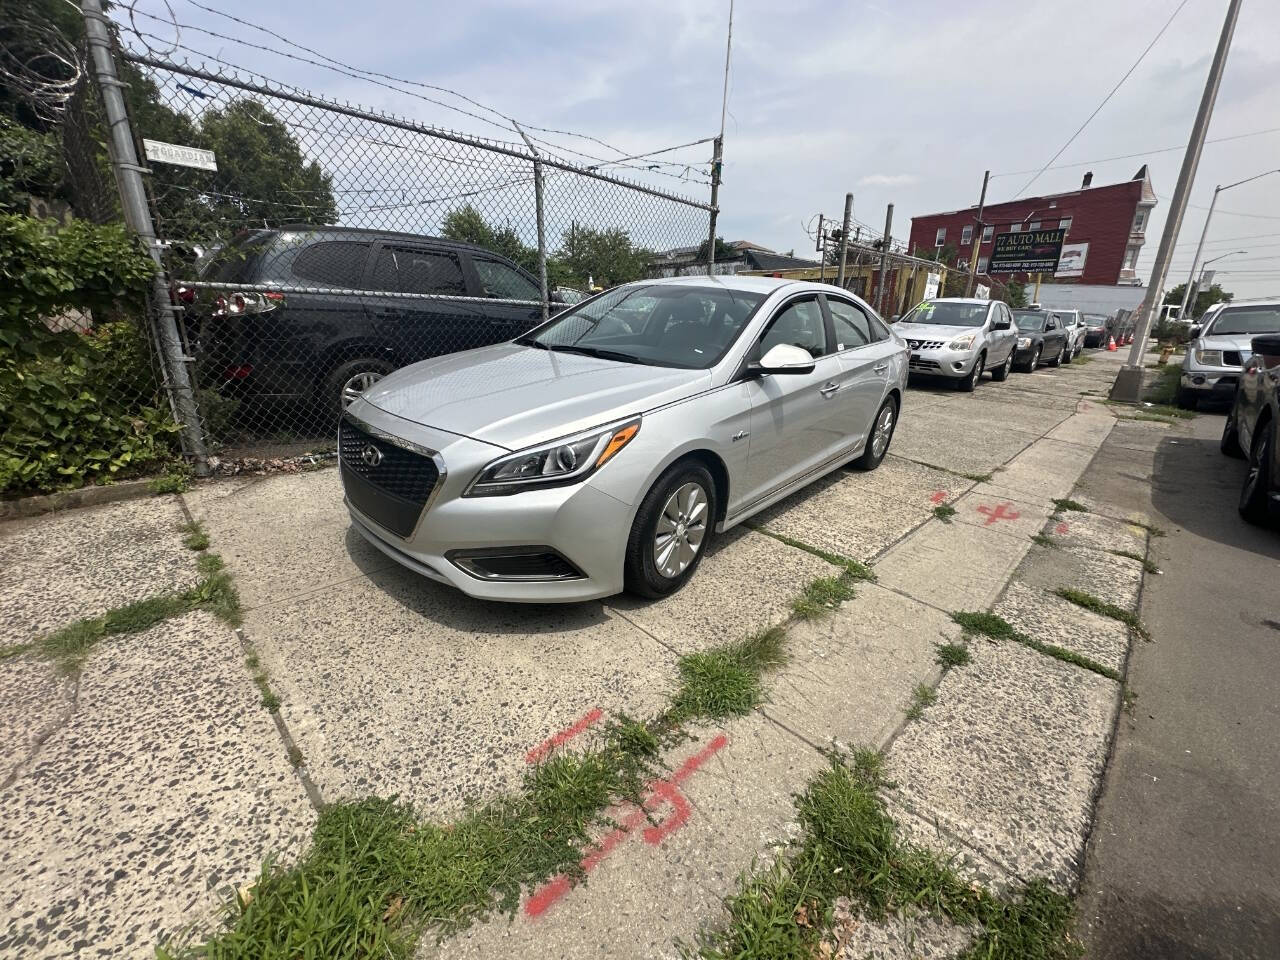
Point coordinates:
[[77, 405]]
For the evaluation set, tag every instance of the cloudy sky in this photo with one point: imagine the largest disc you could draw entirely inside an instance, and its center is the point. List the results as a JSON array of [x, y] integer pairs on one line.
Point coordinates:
[[904, 102]]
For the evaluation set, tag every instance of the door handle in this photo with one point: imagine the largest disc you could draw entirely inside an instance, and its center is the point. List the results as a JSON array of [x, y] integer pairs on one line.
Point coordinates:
[[880, 367], [828, 388]]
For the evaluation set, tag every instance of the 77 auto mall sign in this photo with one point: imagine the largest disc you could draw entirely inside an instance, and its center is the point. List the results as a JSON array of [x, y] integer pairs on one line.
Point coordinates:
[[1032, 251]]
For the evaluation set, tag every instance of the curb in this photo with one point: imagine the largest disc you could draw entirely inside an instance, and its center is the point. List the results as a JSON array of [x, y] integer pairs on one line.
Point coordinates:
[[70, 499]]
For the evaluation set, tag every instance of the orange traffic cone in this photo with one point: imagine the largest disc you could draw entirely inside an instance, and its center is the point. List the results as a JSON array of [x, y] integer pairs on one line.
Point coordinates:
[[1111, 344]]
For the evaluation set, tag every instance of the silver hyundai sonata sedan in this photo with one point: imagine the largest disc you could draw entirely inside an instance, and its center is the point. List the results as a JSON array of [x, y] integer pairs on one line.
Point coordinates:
[[603, 450]]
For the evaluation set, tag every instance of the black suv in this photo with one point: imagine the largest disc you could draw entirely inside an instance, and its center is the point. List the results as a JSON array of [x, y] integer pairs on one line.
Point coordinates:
[[340, 319]]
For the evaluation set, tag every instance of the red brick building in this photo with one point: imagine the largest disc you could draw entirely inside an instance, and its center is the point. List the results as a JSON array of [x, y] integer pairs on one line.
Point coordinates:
[[1106, 228]]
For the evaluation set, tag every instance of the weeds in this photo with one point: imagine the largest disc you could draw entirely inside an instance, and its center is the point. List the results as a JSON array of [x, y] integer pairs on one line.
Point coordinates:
[[195, 537], [853, 569], [1090, 602], [1147, 565], [725, 682], [922, 696], [171, 481], [1044, 540], [1061, 504], [944, 512], [998, 628], [953, 655], [822, 596], [975, 477], [1129, 700]]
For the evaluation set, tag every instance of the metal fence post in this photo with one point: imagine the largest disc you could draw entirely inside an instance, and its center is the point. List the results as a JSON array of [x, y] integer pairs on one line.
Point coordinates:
[[717, 159], [844, 236], [884, 259], [137, 214], [542, 223]]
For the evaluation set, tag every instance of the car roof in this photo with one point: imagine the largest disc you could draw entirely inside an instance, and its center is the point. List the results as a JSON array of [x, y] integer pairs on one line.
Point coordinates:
[[332, 230], [958, 300], [746, 284]]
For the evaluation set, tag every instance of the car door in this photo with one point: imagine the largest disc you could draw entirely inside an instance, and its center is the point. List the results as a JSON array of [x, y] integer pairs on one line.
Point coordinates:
[[796, 419], [417, 327], [515, 302], [1009, 335], [1054, 336], [864, 354]]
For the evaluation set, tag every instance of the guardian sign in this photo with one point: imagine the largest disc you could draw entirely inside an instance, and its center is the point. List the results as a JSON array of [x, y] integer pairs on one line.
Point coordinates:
[[1033, 251]]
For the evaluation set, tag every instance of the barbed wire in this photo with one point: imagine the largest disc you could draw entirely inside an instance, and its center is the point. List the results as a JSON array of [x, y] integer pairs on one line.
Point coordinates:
[[37, 63]]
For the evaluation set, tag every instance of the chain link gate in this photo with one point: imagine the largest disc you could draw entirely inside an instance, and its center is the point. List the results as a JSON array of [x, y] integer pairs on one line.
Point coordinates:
[[333, 244]]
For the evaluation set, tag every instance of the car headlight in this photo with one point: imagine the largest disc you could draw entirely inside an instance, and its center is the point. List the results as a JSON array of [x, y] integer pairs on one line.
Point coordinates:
[[1209, 358], [554, 464], [1024, 342], [961, 343]]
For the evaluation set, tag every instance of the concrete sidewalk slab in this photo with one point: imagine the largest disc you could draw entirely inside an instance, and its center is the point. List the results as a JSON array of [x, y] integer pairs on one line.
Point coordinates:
[[993, 408], [63, 567], [852, 674], [1087, 429], [1007, 515], [1009, 757], [1050, 619], [1046, 470], [1144, 435], [745, 584], [167, 782], [908, 481], [953, 566], [1093, 532], [655, 890], [899, 936], [401, 686], [35, 698], [959, 443], [1112, 579]]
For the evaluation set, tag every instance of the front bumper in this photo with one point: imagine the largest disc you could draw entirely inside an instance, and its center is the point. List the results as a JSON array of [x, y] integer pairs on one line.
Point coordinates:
[[942, 362], [586, 527], [1211, 382]]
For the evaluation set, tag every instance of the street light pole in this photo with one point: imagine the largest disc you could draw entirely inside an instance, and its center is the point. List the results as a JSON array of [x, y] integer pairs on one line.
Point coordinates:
[[1193, 288], [1128, 385], [1182, 311]]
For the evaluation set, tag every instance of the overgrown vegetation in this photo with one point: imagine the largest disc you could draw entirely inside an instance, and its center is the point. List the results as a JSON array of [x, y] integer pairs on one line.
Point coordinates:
[[822, 596], [1147, 565], [953, 655], [725, 681], [1087, 600], [1044, 540], [853, 569], [944, 512], [195, 537], [850, 847], [70, 645], [176, 479], [997, 628], [1062, 504], [922, 696]]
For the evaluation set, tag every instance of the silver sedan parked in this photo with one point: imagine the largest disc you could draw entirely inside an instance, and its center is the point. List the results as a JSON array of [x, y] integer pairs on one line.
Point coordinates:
[[603, 450]]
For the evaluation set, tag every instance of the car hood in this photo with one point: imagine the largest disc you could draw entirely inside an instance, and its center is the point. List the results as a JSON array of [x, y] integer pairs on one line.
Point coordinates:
[[931, 331], [514, 396], [1241, 341]]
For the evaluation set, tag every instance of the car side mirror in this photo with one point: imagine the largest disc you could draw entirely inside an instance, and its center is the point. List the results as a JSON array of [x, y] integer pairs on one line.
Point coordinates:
[[784, 358], [1194, 331], [1001, 325]]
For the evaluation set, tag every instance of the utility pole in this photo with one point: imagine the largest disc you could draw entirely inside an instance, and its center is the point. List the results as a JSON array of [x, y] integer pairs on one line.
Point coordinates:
[[977, 240], [1128, 385], [541, 221], [717, 157], [822, 251], [133, 199], [844, 237], [884, 259]]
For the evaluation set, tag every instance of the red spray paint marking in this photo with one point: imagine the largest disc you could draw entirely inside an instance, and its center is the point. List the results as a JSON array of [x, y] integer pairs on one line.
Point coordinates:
[[564, 736], [938, 496], [660, 792], [1061, 528], [1003, 511]]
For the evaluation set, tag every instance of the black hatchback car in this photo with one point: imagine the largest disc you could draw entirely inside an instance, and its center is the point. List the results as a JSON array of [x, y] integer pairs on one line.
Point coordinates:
[[334, 309], [1042, 338]]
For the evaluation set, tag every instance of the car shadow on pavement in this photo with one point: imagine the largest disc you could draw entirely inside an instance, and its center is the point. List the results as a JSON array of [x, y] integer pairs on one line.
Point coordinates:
[[1196, 486], [452, 608]]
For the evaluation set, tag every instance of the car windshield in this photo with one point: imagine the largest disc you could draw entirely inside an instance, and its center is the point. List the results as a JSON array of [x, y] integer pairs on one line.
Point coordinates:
[[1094, 320], [1233, 321], [666, 325], [948, 314], [1029, 322]]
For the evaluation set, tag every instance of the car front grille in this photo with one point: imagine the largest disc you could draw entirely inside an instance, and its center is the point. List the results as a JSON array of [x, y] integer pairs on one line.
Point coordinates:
[[926, 344], [385, 482], [916, 363], [516, 563], [1231, 358]]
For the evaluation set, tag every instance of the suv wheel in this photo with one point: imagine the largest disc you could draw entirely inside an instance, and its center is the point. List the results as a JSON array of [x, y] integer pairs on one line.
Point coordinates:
[[971, 381], [1257, 482], [672, 530], [1002, 372], [1033, 361], [1057, 361], [350, 379]]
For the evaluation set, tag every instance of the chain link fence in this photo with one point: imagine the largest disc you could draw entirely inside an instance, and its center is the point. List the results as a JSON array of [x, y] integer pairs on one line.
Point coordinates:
[[323, 245]]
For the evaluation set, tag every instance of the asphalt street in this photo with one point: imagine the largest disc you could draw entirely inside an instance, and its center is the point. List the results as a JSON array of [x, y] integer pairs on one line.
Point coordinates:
[[1184, 860]]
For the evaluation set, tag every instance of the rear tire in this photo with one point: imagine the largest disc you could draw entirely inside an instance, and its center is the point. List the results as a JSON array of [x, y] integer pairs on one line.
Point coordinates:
[[969, 383], [1230, 442], [880, 436], [1187, 399], [642, 573], [1255, 494], [1068, 355], [351, 378], [1002, 372]]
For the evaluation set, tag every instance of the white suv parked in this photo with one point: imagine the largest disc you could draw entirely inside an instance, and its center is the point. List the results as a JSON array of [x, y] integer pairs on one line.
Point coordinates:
[[959, 337]]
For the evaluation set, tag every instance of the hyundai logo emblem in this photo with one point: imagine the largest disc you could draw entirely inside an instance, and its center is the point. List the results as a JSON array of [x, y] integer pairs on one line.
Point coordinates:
[[371, 455]]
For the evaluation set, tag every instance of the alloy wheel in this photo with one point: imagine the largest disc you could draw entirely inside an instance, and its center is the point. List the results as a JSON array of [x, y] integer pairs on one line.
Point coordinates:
[[978, 367], [357, 385], [883, 431], [682, 526]]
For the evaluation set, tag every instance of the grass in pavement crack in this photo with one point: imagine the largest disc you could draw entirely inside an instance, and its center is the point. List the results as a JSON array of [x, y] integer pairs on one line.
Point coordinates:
[[998, 628], [852, 568], [850, 847], [1147, 565], [1061, 504], [1087, 600], [195, 537], [944, 512], [822, 596], [725, 681], [975, 477], [922, 696], [1044, 540], [952, 655]]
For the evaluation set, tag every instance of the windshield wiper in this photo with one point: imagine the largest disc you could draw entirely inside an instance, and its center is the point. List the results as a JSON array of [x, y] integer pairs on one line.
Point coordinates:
[[596, 352]]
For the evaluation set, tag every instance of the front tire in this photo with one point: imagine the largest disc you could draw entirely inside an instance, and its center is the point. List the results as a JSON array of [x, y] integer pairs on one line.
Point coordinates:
[[1002, 372], [969, 383], [881, 436], [1255, 493], [1230, 442], [1033, 361], [1057, 361], [672, 531]]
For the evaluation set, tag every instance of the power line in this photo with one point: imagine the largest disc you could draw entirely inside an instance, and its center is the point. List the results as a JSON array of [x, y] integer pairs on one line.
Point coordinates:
[[1236, 213], [1105, 99]]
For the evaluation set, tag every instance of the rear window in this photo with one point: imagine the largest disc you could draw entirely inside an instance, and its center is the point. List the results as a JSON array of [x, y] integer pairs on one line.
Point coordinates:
[[333, 263], [238, 262]]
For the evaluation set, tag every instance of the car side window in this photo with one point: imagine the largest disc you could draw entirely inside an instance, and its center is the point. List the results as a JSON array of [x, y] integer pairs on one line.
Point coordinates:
[[852, 326], [1051, 323], [500, 280], [333, 263], [407, 270], [799, 324]]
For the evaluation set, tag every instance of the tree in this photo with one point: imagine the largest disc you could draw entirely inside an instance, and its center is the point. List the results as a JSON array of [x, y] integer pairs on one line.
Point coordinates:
[[467, 225], [1014, 293], [1204, 298], [606, 256], [723, 250]]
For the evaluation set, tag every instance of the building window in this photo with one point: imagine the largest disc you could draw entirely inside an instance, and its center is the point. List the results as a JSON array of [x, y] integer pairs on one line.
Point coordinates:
[[940, 237], [982, 264], [1065, 225], [1034, 225], [986, 234], [1131, 258], [1140, 221], [1015, 228], [966, 235]]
